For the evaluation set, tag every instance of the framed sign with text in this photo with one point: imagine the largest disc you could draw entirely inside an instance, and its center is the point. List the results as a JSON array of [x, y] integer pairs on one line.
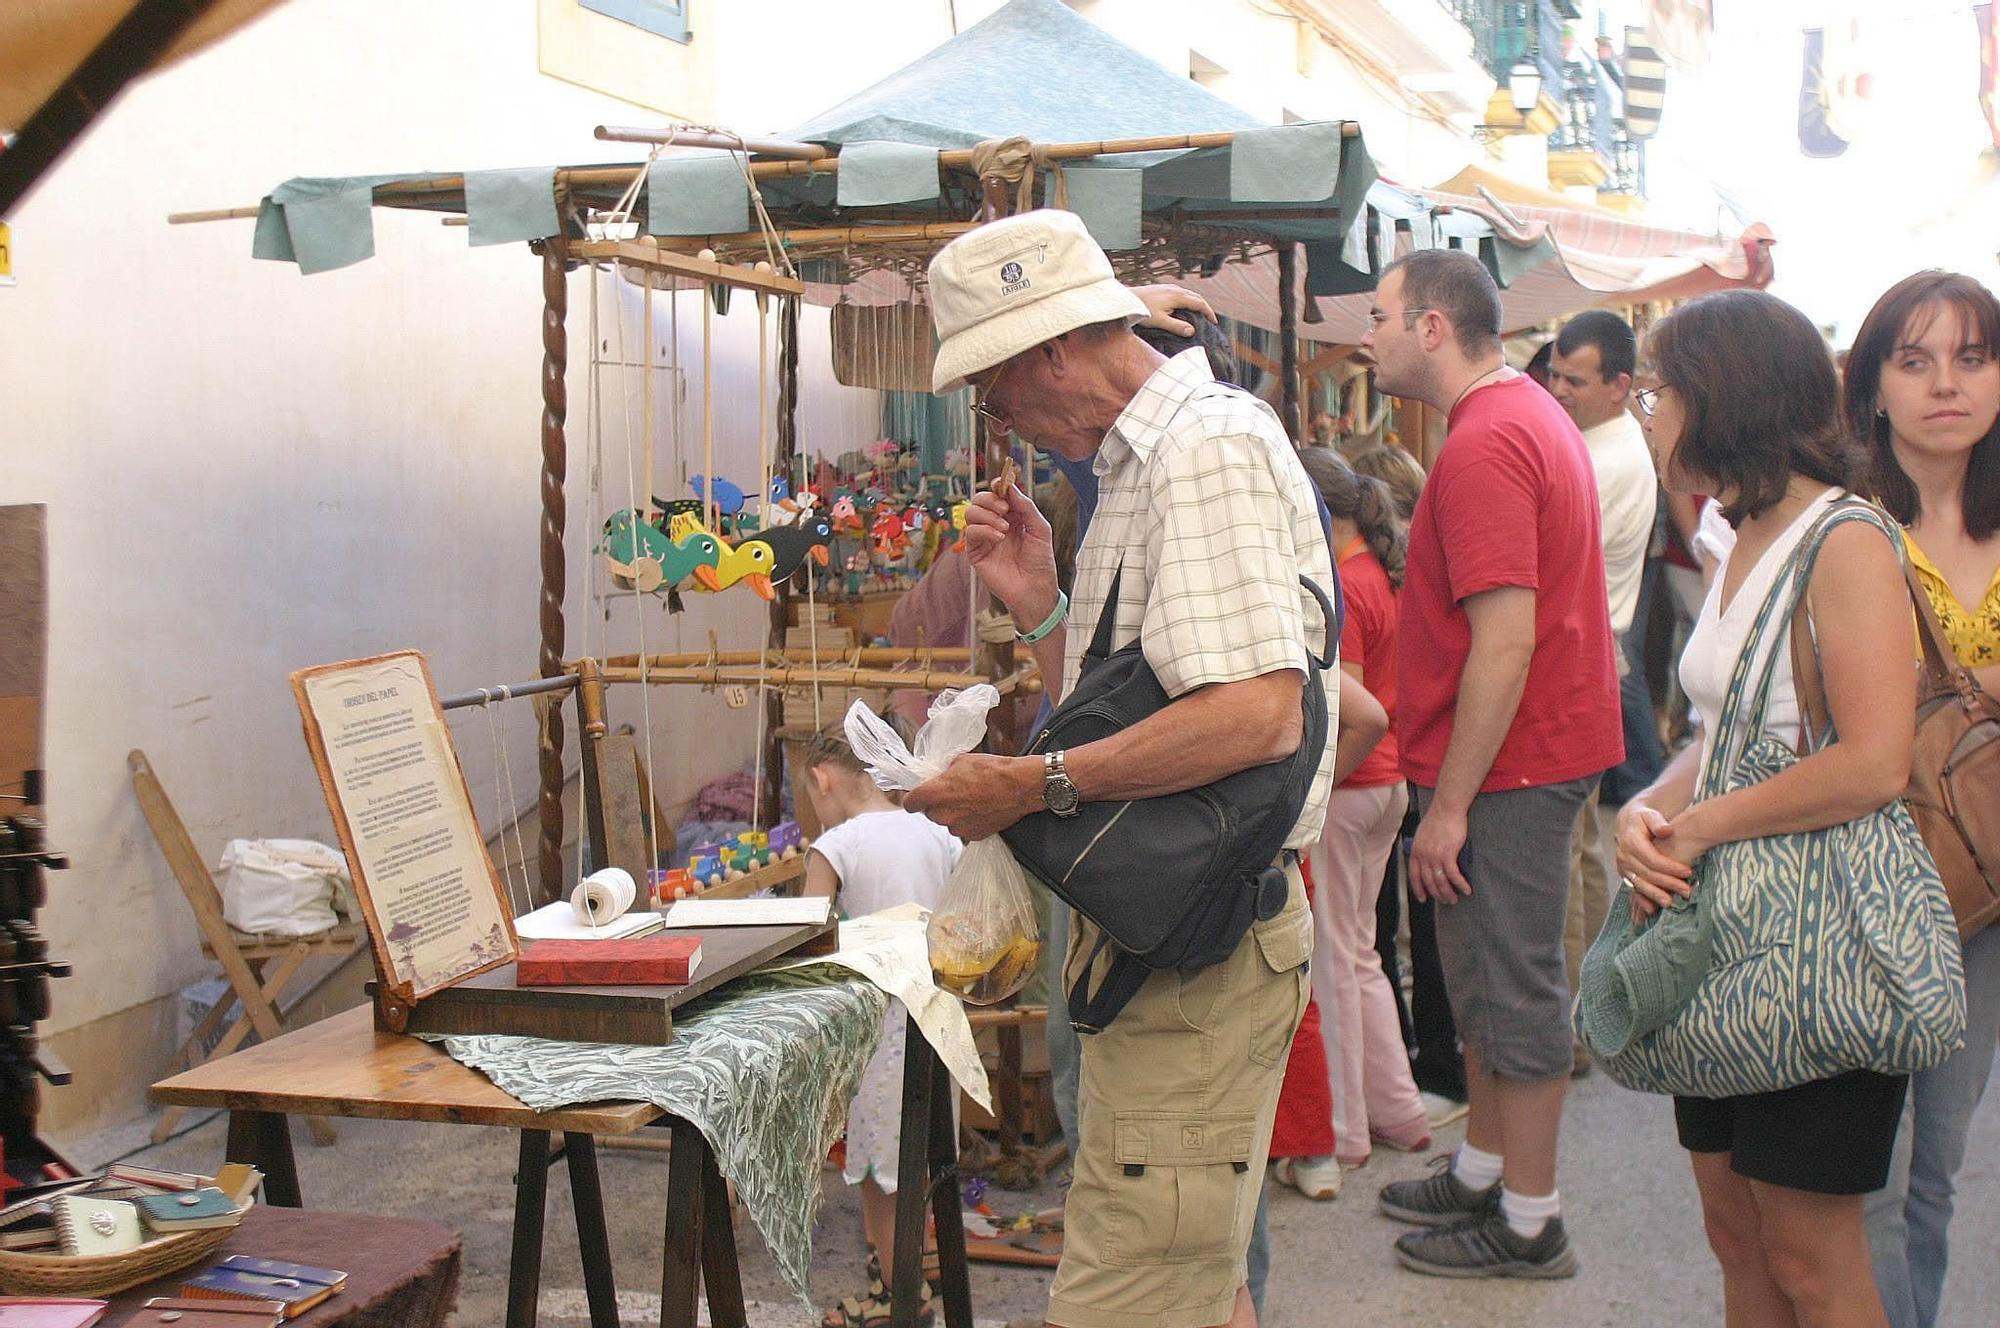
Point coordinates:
[[435, 907]]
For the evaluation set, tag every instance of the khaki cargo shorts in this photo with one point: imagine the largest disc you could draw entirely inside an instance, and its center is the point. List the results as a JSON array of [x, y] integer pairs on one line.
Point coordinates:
[[1175, 1103]]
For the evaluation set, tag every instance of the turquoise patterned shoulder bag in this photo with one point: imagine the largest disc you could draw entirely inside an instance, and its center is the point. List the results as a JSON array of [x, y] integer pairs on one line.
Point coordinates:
[[1798, 956]]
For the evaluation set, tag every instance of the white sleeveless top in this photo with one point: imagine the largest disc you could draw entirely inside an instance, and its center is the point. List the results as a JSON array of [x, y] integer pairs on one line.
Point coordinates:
[[1719, 638]]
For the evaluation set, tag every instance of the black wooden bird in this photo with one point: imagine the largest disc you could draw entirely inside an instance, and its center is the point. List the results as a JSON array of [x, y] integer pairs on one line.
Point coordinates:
[[812, 536]]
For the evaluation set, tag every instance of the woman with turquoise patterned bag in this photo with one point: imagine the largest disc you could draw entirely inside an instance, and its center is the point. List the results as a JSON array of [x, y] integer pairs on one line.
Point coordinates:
[[1785, 956]]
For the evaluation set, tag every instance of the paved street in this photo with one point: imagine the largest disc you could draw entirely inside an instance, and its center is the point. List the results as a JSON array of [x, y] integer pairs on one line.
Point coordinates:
[[1630, 1205]]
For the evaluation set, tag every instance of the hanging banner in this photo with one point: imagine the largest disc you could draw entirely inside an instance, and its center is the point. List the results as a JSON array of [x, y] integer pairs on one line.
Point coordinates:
[[1816, 137], [1645, 84], [1989, 65]]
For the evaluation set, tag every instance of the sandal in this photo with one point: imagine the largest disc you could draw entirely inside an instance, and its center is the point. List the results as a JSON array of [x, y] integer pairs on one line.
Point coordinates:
[[876, 1308]]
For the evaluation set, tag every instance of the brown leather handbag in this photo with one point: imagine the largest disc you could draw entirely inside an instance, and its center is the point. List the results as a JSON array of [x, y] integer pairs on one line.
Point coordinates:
[[1954, 791]]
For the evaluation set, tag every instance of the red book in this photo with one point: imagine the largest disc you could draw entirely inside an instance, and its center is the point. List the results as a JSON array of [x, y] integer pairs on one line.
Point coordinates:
[[644, 961]]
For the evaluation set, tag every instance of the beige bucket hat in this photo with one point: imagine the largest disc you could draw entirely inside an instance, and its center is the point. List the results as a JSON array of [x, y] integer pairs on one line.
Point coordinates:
[[1013, 284]]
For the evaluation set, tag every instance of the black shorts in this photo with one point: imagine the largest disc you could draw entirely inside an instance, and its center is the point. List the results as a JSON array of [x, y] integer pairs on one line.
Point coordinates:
[[1831, 1136]]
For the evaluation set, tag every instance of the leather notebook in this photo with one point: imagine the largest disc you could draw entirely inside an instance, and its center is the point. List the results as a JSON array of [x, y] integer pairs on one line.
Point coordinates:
[[183, 1313], [190, 1210], [645, 961], [89, 1225], [49, 1312], [244, 1277]]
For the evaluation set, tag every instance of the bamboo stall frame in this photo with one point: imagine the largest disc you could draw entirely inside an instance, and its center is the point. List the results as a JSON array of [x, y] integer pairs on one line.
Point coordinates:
[[664, 256], [1024, 679]]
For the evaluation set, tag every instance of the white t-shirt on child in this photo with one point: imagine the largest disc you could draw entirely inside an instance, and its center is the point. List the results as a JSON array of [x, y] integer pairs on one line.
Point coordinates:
[[888, 858]]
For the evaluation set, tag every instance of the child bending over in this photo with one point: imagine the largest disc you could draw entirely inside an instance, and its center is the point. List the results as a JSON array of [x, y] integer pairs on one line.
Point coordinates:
[[872, 855]]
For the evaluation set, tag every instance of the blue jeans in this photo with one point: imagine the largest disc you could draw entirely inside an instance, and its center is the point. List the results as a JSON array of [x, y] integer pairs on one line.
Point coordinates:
[[1064, 1053], [1908, 1219], [1258, 1260]]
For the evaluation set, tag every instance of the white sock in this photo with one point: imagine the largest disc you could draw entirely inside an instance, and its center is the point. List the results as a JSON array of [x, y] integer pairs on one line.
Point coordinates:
[[1528, 1214], [1475, 1168]]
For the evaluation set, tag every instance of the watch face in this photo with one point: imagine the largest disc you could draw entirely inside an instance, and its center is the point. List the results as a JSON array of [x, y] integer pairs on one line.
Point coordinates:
[[1060, 795]]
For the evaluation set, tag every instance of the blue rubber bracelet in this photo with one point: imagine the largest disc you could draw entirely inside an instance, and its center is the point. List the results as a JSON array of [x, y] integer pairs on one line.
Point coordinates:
[[1049, 624]]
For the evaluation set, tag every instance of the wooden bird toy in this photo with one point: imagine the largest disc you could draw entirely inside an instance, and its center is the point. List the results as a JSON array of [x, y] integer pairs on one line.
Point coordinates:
[[696, 554], [749, 562], [811, 537], [890, 538]]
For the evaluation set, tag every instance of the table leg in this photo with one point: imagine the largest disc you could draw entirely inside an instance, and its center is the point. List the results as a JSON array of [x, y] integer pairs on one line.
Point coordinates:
[[264, 1139], [906, 1279], [524, 1266], [954, 1280], [680, 1261], [593, 1244], [720, 1276]]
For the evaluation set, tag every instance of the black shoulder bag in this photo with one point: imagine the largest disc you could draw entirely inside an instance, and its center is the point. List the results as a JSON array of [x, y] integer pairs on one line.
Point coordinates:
[[1173, 881]]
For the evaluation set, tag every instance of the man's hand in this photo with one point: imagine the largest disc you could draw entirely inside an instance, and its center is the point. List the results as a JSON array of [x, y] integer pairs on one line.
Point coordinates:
[[1161, 301], [1010, 545], [1434, 872], [980, 795]]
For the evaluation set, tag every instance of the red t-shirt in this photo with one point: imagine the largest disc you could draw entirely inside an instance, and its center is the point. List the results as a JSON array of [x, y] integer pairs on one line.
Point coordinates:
[[1512, 501], [1369, 640]]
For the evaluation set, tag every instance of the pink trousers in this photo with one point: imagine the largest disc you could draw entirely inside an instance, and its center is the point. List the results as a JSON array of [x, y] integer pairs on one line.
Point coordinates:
[[1373, 1092]]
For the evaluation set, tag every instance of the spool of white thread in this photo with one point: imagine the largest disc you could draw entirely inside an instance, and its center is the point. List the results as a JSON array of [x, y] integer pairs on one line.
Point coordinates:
[[603, 896]]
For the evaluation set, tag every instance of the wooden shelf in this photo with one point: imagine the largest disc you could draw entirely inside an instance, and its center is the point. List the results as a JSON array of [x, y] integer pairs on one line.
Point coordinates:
[[652, 258]]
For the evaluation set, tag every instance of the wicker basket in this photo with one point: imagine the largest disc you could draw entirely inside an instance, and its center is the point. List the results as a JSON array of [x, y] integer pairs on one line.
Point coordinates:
[[40, 1274]]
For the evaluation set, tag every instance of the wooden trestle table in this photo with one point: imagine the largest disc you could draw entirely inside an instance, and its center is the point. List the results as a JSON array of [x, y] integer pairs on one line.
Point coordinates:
[[345, 1066]]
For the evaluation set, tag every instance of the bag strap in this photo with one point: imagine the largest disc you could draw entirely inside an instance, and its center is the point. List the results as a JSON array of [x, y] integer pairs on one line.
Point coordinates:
[[1788, 589], [1107, 624], [1334, 614], [1093, 1013], [1942, 670]]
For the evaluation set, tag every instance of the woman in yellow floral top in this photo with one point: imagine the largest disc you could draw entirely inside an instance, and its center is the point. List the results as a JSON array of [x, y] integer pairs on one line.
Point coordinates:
[[1922, 394]]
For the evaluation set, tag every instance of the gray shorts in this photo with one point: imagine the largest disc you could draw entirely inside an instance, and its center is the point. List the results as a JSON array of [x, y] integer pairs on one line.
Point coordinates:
[[1502, 946]]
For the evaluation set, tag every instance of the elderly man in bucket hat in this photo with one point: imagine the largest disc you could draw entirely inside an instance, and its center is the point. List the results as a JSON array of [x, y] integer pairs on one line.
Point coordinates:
[[1205, 508]]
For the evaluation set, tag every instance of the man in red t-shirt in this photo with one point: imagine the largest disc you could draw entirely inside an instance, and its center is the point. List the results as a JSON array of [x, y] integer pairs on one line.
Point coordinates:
[[1507, 715]]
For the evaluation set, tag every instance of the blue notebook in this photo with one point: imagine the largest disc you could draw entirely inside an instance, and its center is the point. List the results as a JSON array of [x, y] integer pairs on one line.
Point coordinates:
[[298, 1287]]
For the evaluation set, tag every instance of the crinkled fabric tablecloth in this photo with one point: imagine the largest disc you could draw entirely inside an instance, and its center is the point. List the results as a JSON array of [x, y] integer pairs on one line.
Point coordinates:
[[764, 1069]]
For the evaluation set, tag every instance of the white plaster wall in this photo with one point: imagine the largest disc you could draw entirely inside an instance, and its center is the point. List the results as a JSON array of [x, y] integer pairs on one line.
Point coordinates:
[[1259, 49], [249, 471]]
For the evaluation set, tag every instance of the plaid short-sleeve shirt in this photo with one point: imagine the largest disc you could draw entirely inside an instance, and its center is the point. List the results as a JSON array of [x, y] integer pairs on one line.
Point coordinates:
[[1203, 504]]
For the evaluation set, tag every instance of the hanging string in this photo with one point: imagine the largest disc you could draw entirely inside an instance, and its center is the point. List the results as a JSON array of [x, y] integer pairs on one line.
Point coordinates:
[[637, 509], [708, 410], [764, 506], [506, 811]]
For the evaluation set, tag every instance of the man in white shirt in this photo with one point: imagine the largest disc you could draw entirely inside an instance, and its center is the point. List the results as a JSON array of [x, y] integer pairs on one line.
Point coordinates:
[[1590, 376]]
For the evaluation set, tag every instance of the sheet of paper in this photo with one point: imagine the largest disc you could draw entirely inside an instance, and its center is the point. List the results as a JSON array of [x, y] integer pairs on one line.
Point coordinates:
[[419, 863], [888, 948], [749, 912], [557, 922]]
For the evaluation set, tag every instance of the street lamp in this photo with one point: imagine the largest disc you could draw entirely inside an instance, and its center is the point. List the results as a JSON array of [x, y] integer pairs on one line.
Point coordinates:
[[1524, 86]]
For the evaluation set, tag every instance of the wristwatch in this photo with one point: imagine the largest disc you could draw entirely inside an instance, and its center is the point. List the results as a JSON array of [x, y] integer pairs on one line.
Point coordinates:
[[1057, 792]]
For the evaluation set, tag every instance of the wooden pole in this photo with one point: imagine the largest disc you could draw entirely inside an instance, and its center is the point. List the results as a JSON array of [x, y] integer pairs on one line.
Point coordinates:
[[924, 656], [701, 138], [425, 188], [781, 605], [555, 571], [723, 675], [1288, 341]]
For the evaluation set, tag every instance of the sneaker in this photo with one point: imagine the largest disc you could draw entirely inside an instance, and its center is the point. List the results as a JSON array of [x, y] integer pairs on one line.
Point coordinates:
[[1412, 1139], [1442, 1110], [1314, 1177], [1438, 1199], [1485, 1246]]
